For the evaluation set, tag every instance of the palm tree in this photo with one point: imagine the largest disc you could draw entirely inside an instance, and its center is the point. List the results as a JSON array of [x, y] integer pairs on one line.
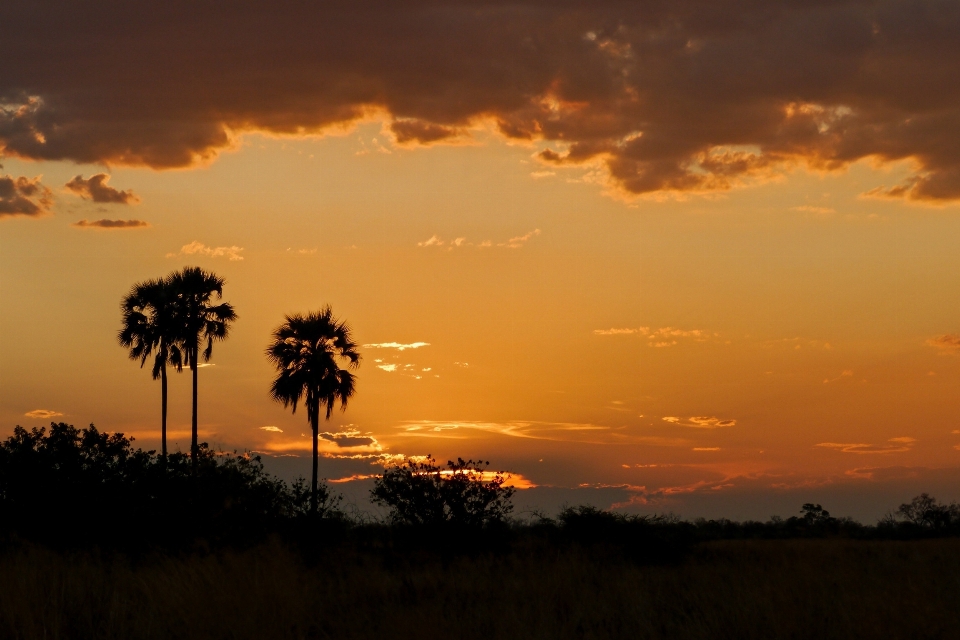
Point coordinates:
[[149, 327], [307, 351], [199, 321]]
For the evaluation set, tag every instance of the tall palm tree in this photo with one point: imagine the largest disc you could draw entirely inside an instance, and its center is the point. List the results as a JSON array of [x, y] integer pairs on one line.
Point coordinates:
[[149, 328], [307, 351], [199, 321]]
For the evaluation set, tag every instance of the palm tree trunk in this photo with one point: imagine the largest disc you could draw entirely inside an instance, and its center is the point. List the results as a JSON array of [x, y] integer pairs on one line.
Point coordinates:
[[194, 447], [315, 423], [163, 414]]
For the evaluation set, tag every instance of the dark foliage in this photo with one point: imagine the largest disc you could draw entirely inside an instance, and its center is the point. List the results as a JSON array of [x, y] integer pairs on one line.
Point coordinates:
[[422, 493], [71, 486]]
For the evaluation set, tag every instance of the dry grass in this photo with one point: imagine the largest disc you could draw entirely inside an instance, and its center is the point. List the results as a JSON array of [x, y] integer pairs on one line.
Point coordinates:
[[740, 589]]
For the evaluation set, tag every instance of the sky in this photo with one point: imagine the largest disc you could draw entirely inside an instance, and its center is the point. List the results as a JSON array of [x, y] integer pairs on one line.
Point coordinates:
[[689, 257]]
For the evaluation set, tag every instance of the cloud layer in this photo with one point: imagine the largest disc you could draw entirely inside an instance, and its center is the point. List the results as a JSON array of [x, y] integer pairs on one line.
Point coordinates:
[[685, 95]]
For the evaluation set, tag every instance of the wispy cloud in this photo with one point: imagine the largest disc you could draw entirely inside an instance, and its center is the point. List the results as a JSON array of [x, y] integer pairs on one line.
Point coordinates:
[[948, 344], [95, 188], [554, 431], [820, 211], [706, 449], [399, 346], [42, 414], [198, 248], [700, 422], [658, 338], [896, 445], [112, 224], [449, 245], [24, 196], [272, 428], [847, 373], [517, 242]]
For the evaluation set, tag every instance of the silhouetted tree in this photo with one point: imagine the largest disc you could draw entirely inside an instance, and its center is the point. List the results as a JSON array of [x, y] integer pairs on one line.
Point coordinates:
[[199, 322], [814, 514], [149, 328], [924, 511], [420, 492], [307, 351]]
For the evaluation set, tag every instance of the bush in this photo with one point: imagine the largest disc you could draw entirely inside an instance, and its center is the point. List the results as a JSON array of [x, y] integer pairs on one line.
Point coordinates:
[[69, 486], [422, 493]]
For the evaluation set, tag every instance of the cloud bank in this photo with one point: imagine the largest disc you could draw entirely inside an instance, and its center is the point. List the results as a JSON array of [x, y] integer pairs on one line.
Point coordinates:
[[678, 96]]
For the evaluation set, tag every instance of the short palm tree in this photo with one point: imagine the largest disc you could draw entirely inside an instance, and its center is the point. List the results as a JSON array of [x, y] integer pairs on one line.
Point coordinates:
[[307, 351], [149, 328], [199, 321]]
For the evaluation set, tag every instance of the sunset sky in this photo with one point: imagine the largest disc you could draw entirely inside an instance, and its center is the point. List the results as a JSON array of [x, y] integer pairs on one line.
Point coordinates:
[[691, 256]]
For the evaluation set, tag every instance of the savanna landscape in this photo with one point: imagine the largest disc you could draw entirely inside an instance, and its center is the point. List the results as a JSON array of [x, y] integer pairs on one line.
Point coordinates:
[[479, 319]]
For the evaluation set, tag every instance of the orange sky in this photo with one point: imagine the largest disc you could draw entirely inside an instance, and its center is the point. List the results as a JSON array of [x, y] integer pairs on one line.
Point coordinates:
[[631, 285]]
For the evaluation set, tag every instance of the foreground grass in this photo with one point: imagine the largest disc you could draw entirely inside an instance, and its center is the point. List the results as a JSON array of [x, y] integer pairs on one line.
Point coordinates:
[[732, 589]]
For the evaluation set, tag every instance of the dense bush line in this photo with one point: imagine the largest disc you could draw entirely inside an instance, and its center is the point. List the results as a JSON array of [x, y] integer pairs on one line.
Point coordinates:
[[68, 486]]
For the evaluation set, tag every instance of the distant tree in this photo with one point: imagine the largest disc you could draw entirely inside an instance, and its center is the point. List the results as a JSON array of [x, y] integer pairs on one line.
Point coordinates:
[[422, 493], [199, 321], [308, 351], [924, 511], [814, 514], [149, 329]]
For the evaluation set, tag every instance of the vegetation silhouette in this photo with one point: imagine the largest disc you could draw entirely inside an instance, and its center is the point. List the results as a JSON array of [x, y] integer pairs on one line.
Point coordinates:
[[418, 492], [149, 328], [198, 321], [104, 491], [307, 351], [97, 540]]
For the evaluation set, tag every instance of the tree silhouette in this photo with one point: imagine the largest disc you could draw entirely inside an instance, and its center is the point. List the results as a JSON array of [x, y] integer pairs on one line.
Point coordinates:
[[423, 493], [149, 328], [307, 351], [199, 321]]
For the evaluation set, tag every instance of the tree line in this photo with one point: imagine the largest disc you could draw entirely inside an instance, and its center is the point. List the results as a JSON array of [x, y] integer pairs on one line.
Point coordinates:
[[64, 485]]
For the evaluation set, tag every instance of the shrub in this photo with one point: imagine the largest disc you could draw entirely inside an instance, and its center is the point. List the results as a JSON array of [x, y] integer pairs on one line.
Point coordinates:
[[422, 493]]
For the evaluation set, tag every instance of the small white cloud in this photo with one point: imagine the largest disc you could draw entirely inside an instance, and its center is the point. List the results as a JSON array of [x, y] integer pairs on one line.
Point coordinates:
[[820, 211], [536, 175], [518, 241], [432, 241], [272, 428], [198, 248], [42, 414], [387, 367], [462, 364], [396, 345]]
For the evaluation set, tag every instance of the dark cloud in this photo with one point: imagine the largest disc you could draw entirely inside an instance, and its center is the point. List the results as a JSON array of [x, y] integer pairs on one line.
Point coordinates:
[[348, 439], [685, 95], [96, 188], [112, 224], [23, 196]]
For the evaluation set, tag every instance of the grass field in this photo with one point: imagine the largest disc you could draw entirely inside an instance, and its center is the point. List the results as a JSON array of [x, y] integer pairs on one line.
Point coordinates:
[[831, 588]]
